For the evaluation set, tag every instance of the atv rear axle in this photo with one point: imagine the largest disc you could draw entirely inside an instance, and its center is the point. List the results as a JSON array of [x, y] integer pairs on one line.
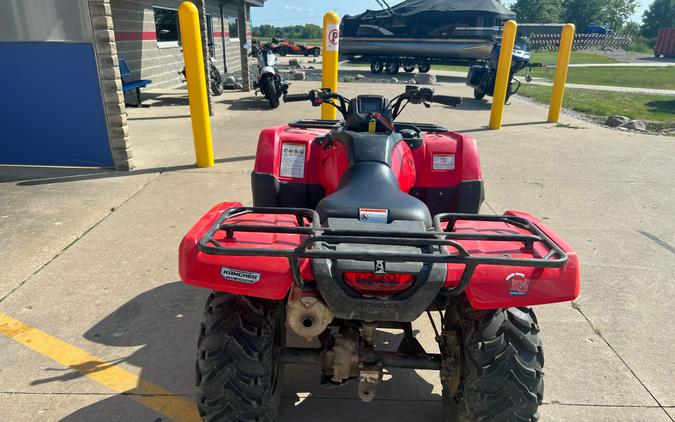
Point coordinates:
[[299, 355]]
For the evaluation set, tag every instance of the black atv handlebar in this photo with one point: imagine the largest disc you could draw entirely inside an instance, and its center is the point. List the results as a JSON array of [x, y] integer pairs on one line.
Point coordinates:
[[447, 100], [413, 95], [292, 98]]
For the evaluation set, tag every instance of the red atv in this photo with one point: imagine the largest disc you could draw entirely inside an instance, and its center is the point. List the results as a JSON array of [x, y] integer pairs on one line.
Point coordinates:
[[362, 224]]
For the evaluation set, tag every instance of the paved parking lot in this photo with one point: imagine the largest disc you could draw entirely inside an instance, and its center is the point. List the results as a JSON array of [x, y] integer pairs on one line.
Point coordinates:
[[97, 325]]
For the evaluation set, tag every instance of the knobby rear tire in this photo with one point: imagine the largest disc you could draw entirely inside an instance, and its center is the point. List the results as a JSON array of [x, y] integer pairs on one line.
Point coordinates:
[[502, 361], [236, 375]]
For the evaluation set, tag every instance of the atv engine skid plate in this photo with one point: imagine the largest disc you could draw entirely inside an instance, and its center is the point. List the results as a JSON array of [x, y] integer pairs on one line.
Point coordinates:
[[497, 260]]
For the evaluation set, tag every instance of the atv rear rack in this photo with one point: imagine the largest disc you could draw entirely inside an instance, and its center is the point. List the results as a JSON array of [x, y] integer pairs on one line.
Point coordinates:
[[308, 225]]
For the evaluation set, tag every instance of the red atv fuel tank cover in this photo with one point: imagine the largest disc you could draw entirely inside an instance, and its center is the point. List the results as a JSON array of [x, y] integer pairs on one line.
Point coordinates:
[[269, 153], [462, 164], [324, 163], [495, 286], [263, 277]]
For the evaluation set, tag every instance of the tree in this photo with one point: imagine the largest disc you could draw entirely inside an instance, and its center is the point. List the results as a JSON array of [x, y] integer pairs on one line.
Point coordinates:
[[661, 14], [612, 13], [263, 31], [306, 31], [615, 13], [582, 12], [538, 11], [311, 31]]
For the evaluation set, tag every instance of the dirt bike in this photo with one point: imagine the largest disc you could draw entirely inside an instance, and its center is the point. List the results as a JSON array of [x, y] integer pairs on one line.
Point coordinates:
[[364, 224]]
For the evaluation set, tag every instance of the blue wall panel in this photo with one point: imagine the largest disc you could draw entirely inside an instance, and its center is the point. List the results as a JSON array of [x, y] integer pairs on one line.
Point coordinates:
[[51, 110]]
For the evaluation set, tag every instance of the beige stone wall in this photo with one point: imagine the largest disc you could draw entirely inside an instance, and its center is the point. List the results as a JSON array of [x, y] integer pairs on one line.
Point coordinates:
[[111, 85]]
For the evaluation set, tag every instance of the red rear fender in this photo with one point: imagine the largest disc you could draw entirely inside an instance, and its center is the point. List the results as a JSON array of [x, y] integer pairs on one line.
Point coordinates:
[[494, 287], [263, 277]]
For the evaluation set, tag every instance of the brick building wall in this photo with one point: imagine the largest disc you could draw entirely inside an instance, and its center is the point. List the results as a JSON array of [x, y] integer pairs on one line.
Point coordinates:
[[147, 58]]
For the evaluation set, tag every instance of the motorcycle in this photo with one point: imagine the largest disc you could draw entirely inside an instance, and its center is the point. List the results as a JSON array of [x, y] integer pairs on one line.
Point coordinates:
[[363, 224], [269, 81], [482, 76], [216, 79]]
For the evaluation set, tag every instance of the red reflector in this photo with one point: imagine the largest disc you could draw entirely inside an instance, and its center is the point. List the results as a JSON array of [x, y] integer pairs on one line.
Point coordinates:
[[378, 284]]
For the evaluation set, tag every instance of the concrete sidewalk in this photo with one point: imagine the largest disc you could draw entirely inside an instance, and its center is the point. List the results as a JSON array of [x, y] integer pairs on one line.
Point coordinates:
[[89, 257], [632, 90], [622, 64]]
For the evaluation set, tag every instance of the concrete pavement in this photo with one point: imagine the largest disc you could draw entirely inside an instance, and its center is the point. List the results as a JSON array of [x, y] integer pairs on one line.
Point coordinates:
[[89, 256]]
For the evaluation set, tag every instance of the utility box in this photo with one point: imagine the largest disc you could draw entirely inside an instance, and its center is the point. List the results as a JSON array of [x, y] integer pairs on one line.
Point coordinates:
[[665, 43]]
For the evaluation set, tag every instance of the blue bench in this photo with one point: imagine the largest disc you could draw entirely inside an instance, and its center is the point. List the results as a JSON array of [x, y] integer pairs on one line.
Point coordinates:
[[132, 85]]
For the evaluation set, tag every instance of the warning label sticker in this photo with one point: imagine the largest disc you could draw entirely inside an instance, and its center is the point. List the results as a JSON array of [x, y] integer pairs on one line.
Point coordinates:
[[332, 37], [370, 215], [293, 160], [444, 162]]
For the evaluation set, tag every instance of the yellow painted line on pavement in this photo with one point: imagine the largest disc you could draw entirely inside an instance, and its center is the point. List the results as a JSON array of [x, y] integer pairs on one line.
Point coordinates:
[[106, 373]]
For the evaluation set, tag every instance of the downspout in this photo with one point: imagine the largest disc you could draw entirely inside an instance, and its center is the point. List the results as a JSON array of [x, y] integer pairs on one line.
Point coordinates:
[[222, 34]]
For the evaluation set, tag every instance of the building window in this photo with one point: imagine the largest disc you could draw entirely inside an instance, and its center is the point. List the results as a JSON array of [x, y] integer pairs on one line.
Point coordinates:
[[166, 27], [234, 28], [209, 34]]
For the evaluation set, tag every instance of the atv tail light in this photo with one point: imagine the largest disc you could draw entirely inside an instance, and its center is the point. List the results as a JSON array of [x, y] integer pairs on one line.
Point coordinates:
[[378, 284]]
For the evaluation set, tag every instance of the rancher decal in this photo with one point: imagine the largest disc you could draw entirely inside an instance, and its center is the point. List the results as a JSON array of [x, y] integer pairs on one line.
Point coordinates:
[[239, 275]]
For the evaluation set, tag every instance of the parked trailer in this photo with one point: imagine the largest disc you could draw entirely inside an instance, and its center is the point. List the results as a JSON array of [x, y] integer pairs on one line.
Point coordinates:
[[417, 33], [665, 43], [389, 55]]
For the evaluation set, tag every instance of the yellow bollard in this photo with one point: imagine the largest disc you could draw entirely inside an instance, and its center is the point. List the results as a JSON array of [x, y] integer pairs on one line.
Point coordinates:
[[330, 52], [558, 92], [188, 15], [503, 74]]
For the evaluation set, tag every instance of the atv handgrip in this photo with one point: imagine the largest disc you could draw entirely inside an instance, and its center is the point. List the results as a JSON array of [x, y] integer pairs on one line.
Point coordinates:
[[292, 98], [447, 100]]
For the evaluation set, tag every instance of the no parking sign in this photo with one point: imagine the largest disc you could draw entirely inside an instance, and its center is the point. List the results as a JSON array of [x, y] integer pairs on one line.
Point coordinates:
[[332, 37]]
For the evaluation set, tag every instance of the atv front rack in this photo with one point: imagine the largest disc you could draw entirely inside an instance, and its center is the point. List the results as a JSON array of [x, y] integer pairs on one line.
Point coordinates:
[[308, 225]]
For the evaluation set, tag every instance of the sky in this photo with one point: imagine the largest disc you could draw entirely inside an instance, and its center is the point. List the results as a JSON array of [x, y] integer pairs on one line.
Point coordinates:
[[294, 12]]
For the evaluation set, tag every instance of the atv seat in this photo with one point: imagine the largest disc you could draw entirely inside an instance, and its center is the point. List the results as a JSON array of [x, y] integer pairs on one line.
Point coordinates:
[[371, 184]]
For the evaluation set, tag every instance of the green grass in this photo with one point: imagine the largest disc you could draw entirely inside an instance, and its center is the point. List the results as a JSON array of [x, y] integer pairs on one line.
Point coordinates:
[[578, 57], [636, 77], [601, 104], [456, 68]]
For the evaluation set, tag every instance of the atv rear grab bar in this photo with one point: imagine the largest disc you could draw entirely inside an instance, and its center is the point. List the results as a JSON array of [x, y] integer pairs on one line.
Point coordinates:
[[429, 241]]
